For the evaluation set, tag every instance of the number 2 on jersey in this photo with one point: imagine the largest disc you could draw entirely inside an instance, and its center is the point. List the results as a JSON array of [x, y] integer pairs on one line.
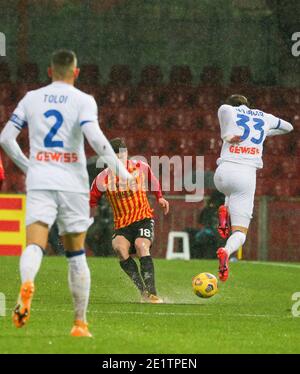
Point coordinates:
[[259, 124], [48, 141]]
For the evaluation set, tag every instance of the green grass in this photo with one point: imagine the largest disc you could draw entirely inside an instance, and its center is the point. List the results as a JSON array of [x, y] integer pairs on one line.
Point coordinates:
[[250, 314]]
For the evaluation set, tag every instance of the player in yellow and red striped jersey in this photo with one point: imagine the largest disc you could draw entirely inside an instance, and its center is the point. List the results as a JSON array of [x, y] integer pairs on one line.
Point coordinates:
[[133, 218]]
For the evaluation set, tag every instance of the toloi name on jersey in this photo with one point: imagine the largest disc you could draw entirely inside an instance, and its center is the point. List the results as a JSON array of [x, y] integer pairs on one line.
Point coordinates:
[[244, 150], [66, 157], [55, 99]]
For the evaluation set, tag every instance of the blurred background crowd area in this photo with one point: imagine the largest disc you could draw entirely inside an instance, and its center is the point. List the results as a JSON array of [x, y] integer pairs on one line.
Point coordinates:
[[159, 70]]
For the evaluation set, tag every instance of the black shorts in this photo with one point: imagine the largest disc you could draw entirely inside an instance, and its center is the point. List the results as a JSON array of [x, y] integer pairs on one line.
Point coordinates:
[[139, 229]]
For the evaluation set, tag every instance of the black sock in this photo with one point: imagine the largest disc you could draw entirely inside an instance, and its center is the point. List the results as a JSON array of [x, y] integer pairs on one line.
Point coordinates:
[[131, 269], [147, 271]]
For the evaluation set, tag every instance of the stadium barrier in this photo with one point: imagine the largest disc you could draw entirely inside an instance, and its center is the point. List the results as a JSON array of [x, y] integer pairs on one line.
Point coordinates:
[[274, 233], [12, 224]]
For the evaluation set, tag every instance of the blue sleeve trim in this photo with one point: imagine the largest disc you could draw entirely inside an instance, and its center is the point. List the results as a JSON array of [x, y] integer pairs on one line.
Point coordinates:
[[17, 127], [278, 125], [18, 121], [84, 122]]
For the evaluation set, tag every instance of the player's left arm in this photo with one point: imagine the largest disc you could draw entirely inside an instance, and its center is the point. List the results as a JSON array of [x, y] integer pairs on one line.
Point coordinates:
[[10, 133], [155, 188], [279, 127]]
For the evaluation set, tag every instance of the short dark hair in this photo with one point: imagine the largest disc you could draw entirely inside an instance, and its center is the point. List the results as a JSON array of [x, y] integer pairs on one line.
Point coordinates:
[[237, 100], [62, 60], [117, 144]]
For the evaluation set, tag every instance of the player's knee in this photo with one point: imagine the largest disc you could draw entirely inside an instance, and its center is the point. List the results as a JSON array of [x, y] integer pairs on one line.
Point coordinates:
[[142, 249], [240, 236], [121, 251]]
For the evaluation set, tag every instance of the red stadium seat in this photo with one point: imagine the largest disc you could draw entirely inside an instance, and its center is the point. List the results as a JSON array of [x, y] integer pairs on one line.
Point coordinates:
[[151, 76], [120, 75], [211, 76], [89, 74], [179, 119], [149, 97], [241, 75], [118, 96], [180, 75], [149, 119]]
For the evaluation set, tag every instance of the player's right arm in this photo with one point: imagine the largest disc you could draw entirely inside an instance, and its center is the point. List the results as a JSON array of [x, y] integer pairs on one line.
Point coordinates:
[[230, 133], [9, 134], [97, 140], [279, 126]]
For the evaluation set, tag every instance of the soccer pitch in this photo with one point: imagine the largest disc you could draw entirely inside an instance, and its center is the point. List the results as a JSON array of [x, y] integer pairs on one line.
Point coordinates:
[[250, 314]]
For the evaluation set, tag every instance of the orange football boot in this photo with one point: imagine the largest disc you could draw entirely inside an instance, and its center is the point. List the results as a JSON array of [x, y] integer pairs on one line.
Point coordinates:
[[224, 227], [150, 298], [21, 312], [80, 329], [223, 264]]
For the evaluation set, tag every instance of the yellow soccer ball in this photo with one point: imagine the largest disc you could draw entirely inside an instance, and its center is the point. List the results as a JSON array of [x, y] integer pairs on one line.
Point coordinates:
[[205, 285]]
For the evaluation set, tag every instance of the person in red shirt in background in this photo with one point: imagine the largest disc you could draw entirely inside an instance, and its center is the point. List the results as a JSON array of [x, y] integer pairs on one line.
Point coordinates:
[[133, 218], [2, 175]]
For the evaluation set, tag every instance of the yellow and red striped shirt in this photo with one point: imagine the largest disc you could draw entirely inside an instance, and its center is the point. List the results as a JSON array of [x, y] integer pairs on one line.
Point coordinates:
[[129, 203]]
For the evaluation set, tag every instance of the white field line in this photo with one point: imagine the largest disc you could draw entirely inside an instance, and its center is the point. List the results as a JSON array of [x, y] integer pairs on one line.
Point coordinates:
[[279, 264], [183, 314]]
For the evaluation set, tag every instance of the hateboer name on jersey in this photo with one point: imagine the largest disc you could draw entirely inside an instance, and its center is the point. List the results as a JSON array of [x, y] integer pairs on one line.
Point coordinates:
[[57, 157], [243, 150]]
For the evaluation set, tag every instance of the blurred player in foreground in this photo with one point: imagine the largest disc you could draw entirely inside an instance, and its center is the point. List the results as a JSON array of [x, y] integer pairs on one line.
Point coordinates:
[[57, 115], [243, 131], [133, 218]]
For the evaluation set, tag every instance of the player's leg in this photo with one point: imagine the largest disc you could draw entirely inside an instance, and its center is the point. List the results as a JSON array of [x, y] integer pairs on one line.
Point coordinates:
[[73, 221], [40, 214], [224, 226], [79, 279], [121, 245], [239, 184], [143, 243]]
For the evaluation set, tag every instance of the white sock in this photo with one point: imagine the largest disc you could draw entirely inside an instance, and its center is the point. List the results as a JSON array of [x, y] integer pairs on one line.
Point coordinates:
[[79, 283], [234, 242], [30, 262]]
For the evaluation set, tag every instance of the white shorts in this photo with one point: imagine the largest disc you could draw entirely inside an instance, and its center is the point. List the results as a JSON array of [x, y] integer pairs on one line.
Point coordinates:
[[237, 182], [70, 209]]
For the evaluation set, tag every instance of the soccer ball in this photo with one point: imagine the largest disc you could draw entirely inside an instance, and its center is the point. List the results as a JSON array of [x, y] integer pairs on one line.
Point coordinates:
[[205, 285]]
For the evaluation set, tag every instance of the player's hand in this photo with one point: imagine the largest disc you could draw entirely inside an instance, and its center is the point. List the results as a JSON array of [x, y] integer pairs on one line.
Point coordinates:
[[164, 204], [235, 139]]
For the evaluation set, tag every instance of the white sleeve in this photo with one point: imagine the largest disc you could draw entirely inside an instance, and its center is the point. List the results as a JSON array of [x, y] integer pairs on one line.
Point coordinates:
[[227, 124], [88, 121], [8, 142], [281, 127], [102, 147]]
